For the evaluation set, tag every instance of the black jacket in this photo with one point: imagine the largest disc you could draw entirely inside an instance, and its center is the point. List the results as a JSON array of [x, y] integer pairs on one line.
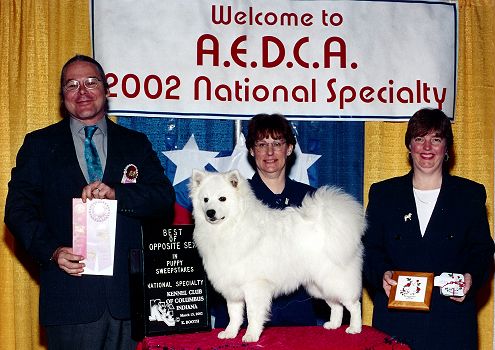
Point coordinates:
[[457, 239]]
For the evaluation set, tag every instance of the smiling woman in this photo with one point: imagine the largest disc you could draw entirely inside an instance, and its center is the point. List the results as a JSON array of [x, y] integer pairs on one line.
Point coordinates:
[[270, 142], [432, 222], [429, 139]]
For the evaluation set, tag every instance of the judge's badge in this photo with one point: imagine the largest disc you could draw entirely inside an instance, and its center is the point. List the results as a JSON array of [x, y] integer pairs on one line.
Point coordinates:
[[130, 174], [451, 284]]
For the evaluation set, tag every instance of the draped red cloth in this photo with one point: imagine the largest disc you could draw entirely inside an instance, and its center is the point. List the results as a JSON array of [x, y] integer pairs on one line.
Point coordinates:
[[182, 215], [279, 338]]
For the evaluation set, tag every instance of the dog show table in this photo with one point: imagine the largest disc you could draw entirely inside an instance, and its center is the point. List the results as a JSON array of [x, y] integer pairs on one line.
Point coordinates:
[[278, 338]]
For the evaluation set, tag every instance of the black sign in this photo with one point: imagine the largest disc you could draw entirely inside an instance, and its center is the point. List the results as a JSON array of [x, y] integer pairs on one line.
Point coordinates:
[[168, 283]]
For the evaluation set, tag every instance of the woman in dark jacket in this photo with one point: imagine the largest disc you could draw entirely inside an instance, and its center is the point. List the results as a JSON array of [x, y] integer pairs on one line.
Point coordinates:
[[270, 142], [428, 221]]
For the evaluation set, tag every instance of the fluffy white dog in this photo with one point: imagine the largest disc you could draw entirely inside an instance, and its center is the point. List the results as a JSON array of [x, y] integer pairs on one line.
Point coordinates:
[[252, 253]]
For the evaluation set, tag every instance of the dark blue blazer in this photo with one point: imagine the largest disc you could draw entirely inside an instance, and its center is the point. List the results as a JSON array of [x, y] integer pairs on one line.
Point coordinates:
[[457, 239], [38, 213]]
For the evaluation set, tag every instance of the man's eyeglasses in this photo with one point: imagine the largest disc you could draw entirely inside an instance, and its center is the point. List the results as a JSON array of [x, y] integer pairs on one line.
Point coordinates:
[[263, 146], [89, 83]]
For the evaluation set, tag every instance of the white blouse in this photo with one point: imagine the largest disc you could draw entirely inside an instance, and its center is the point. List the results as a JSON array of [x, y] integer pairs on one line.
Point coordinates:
[[425, 203]]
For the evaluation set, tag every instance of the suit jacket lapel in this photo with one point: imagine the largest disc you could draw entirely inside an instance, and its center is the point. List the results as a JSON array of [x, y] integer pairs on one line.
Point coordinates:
[[407, 206], [62, 145], [115, 153]]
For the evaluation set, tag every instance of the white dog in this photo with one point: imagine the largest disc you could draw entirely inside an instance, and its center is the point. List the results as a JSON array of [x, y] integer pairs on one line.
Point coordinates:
[[252, 253]]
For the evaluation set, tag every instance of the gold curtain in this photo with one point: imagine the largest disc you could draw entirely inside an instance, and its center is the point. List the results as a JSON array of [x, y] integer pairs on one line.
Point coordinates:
[[38, 36], [385, 152]]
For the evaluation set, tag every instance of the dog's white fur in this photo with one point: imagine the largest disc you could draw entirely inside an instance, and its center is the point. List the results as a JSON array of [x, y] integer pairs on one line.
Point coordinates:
[[252, 253]]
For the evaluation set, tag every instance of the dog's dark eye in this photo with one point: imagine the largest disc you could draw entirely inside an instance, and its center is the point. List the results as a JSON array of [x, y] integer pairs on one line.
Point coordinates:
[[222, 199], [206, 200]]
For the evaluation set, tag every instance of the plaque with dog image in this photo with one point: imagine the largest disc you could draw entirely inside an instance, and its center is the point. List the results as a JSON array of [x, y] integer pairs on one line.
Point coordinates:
[[412, 292]]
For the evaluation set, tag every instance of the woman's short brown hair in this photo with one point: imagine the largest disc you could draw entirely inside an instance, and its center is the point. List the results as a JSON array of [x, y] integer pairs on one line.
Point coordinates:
[[429, 120], [269, 125]]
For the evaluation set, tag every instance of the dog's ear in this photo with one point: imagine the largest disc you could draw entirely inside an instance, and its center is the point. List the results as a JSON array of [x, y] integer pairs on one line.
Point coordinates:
[[197, 177], [234, 177]]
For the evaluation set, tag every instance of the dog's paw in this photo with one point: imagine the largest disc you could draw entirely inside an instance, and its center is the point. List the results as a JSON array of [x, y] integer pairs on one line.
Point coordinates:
[[227, 334], [353, 330], [251, 337], [331, 325]]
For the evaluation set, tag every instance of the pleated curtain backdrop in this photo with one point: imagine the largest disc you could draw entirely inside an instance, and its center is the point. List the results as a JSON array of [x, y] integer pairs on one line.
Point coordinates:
[[38, 36]]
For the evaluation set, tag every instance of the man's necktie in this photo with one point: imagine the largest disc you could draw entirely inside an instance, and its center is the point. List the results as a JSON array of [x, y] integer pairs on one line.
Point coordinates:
[[95, 171]]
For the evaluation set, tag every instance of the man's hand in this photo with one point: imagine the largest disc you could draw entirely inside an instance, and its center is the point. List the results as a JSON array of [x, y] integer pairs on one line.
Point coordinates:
[[97, 190], [68, 261]]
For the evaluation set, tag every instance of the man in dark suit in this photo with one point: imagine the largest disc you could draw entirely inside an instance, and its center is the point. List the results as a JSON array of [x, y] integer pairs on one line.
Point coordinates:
[[84, 311]]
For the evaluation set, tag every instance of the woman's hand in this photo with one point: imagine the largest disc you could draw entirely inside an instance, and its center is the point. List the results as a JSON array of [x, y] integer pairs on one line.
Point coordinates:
[[468, 282], [388, 282]]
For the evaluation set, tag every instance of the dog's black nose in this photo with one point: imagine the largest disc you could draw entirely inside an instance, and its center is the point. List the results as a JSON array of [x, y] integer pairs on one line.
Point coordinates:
[[210, 213]]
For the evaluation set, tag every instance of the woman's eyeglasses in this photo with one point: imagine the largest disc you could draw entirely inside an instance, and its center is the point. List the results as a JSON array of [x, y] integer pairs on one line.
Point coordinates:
[[263, 146]]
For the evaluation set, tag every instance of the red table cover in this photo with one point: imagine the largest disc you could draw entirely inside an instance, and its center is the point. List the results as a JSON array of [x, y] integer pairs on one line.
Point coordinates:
[[278, 338]]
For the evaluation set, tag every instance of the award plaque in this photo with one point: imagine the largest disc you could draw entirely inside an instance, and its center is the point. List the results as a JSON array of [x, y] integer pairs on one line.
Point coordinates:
[[412, 292], [168, 283]]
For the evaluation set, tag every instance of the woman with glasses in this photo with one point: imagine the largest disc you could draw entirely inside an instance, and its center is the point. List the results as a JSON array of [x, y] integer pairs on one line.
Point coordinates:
[[270, 142], [428, 221]]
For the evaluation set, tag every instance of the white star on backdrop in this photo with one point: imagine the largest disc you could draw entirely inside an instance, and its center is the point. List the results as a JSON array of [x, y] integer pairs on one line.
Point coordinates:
[[237, 160], [187, 159], [191, 157], [299, 170]]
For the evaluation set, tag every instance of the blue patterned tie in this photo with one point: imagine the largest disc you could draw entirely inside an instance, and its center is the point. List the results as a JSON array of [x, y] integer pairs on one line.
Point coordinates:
[[92, 159]]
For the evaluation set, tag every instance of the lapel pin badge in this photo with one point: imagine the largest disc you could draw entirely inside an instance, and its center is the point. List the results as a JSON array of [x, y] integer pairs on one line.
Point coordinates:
[[408, 217], [130, 174]]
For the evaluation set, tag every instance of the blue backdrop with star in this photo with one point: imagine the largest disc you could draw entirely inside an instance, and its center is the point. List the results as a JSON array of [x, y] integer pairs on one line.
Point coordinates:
[[331, 153]]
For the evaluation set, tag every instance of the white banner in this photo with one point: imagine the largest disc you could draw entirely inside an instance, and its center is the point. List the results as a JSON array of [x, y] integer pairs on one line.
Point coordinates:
[[317, 60]]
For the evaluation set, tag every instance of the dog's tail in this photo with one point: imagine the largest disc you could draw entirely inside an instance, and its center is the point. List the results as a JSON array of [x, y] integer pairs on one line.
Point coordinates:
[[342, 217]]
